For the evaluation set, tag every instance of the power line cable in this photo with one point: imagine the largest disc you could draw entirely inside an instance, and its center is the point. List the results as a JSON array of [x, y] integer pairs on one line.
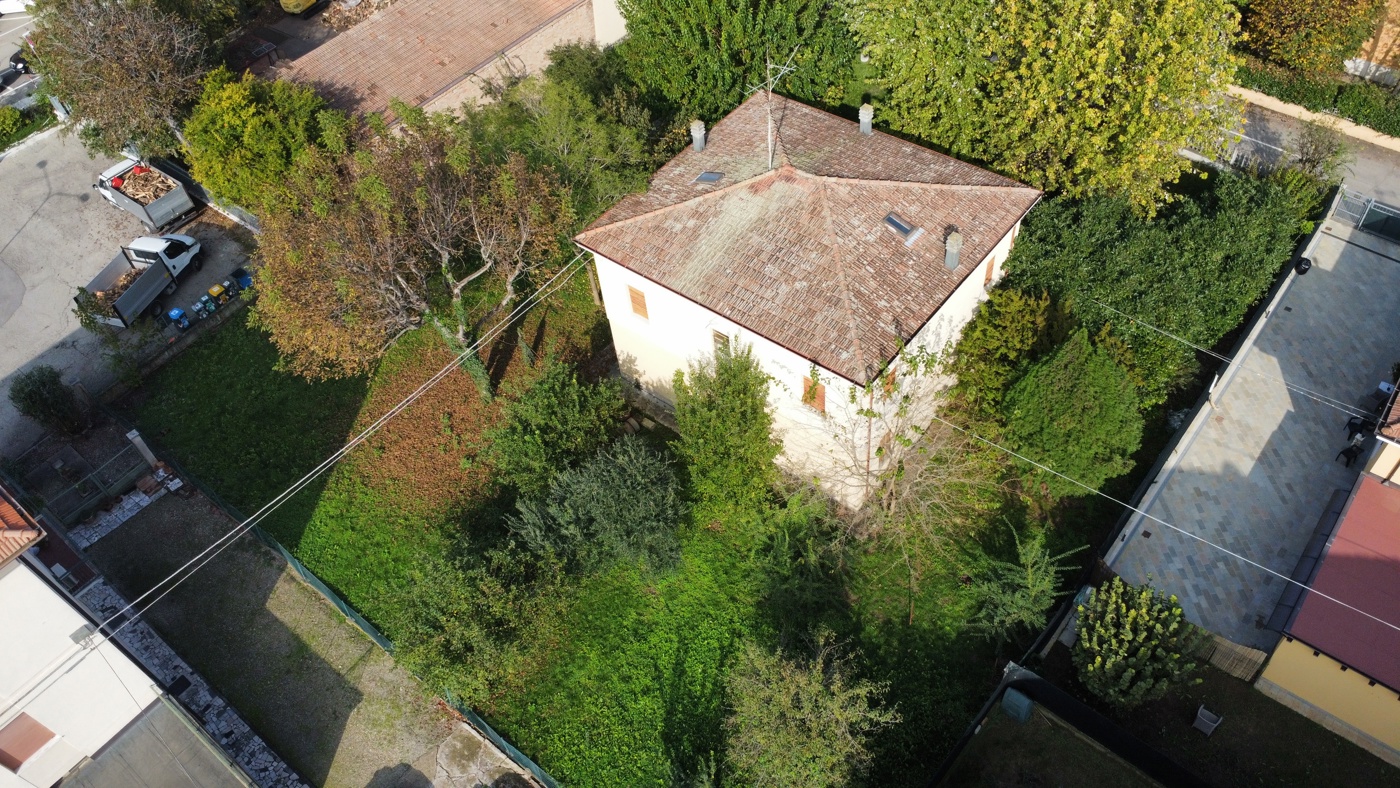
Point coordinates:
[[175, 578], [1331, 402], [1159, 520]]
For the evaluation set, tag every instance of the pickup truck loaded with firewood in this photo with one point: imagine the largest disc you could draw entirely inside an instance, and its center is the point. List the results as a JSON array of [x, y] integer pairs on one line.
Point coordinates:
[[148, 193]]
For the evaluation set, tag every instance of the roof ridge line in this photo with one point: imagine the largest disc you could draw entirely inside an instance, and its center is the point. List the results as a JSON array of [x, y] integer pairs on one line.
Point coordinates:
[[887, 181], [847, 299], [665, 208]]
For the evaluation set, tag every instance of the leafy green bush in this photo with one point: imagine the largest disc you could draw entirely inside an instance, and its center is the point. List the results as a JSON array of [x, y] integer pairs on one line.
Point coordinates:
[[801, 722], [244, 135], [10, 120], [41, 395], [1194, 270], [1134, 644], [1361, 102], [1076, 412], [552, 426], [466, 625], [1005, 334], [623, 505], [726, 433]]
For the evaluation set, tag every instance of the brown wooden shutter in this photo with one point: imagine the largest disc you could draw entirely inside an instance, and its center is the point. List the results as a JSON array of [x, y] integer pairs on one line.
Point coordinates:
[[991, 266], [639, 301], [890, 381], [20, 739], [814, 395]]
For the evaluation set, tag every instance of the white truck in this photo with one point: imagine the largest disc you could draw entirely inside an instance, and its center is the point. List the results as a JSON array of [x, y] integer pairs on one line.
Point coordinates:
[[147, 192], [144, 270]]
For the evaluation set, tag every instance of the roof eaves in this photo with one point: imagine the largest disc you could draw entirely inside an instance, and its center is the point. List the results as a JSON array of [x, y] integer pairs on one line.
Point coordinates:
[[600, 224]]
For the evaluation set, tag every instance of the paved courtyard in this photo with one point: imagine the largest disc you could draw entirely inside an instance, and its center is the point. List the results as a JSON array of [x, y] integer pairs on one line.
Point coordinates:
[[1254, 473]]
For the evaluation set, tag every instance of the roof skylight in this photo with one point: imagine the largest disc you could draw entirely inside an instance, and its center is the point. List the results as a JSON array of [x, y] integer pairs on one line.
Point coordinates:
[[709, 177], [904, 228]]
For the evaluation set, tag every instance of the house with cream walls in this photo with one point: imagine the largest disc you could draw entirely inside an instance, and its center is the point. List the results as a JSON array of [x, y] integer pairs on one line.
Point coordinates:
[[836, 253]]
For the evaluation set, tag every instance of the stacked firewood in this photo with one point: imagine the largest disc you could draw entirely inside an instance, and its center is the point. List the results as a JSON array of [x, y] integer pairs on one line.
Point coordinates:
[[105, 298], [144, 185]]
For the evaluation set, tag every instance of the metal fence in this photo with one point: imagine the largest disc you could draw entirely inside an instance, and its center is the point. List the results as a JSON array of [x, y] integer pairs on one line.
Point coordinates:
[[350, 613], [1368, 215], [69, 488]]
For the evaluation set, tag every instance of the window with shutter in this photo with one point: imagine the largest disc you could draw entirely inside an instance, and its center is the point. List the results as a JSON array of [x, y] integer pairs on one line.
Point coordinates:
[[721, 342], [20, 739], [991, 266], [639, 301], [890, 383], [814, 395]]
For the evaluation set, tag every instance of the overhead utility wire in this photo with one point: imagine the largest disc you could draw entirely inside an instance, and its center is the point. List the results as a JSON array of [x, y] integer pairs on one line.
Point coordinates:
[[1157, 519], [220, 544], [1350, 410]]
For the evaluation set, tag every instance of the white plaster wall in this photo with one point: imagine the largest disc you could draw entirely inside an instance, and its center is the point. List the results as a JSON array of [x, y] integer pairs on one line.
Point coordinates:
[[835, 449], [86, 704], [608, 25]]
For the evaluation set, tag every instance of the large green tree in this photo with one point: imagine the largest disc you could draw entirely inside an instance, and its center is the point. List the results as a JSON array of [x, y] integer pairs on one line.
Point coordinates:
[[1311, 35], [245, 134], [126, 70], [705, 55], [1069, 95], [1076, 412]]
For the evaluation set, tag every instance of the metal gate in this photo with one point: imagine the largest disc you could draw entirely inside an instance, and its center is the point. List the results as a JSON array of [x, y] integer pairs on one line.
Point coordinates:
[[1364, 213]]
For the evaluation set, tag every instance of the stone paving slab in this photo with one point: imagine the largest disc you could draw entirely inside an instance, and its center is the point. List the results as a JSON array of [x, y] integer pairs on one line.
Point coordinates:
[[1261, 466]]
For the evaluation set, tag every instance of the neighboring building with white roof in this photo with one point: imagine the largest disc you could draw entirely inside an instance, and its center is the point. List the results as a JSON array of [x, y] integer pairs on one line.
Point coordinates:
[[832, 250], [74, 705]]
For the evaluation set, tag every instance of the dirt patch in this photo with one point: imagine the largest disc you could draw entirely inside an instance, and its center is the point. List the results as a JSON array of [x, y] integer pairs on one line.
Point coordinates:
[[310, 683]]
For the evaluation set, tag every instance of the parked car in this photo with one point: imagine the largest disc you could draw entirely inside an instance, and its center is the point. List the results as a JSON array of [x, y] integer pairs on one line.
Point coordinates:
[[14, 66]]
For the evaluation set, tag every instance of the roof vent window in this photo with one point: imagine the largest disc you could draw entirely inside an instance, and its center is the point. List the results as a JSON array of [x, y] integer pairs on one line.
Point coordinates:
[[904, 228], [709, 177]]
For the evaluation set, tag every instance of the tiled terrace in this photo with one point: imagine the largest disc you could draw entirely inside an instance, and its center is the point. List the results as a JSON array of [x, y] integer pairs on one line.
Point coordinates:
[[1255, 472]]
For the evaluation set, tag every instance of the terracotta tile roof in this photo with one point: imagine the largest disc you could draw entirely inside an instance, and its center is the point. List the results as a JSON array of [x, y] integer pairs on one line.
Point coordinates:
[[415, 49], [800, 254], [1362, 568], [17, 530]]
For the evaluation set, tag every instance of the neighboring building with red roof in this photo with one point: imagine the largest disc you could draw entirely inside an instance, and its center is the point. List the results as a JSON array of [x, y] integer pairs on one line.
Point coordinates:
[[18, 531], [427, 52], [832, 250], [1339, 660]]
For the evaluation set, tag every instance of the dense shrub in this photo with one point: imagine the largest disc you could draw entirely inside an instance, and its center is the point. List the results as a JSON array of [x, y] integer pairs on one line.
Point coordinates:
[[466, 625], [1009, 330], [623, 505], [552, 426], [801, 723], [1013, 598], [705, 55], [1077, 413], [726, 433], [1134, 644], [10, 120], [1312, 36], [244, 135], [1365, 103], [1194, 270], [41, 395]]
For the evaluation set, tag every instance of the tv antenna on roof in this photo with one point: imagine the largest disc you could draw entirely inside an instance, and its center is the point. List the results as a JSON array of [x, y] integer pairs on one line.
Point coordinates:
[[775, 72]]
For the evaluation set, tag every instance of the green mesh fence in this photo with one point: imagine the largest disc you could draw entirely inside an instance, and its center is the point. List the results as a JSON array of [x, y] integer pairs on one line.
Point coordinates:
[[520, 759]]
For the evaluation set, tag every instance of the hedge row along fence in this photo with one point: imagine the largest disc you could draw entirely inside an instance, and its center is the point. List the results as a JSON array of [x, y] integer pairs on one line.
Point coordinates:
[[1361, 102]]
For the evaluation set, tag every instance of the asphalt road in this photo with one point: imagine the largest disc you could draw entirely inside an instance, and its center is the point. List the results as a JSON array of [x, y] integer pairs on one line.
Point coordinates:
[[1267, 136], [55, 234]]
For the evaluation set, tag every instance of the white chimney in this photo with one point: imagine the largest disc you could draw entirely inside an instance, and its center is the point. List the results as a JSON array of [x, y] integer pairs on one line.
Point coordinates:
[[952, 250], [697, 135], [867, 114]]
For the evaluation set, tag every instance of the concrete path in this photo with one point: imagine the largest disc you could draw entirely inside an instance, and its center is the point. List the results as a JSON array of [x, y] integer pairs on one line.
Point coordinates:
[[1268, 134], [1260, 468]]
